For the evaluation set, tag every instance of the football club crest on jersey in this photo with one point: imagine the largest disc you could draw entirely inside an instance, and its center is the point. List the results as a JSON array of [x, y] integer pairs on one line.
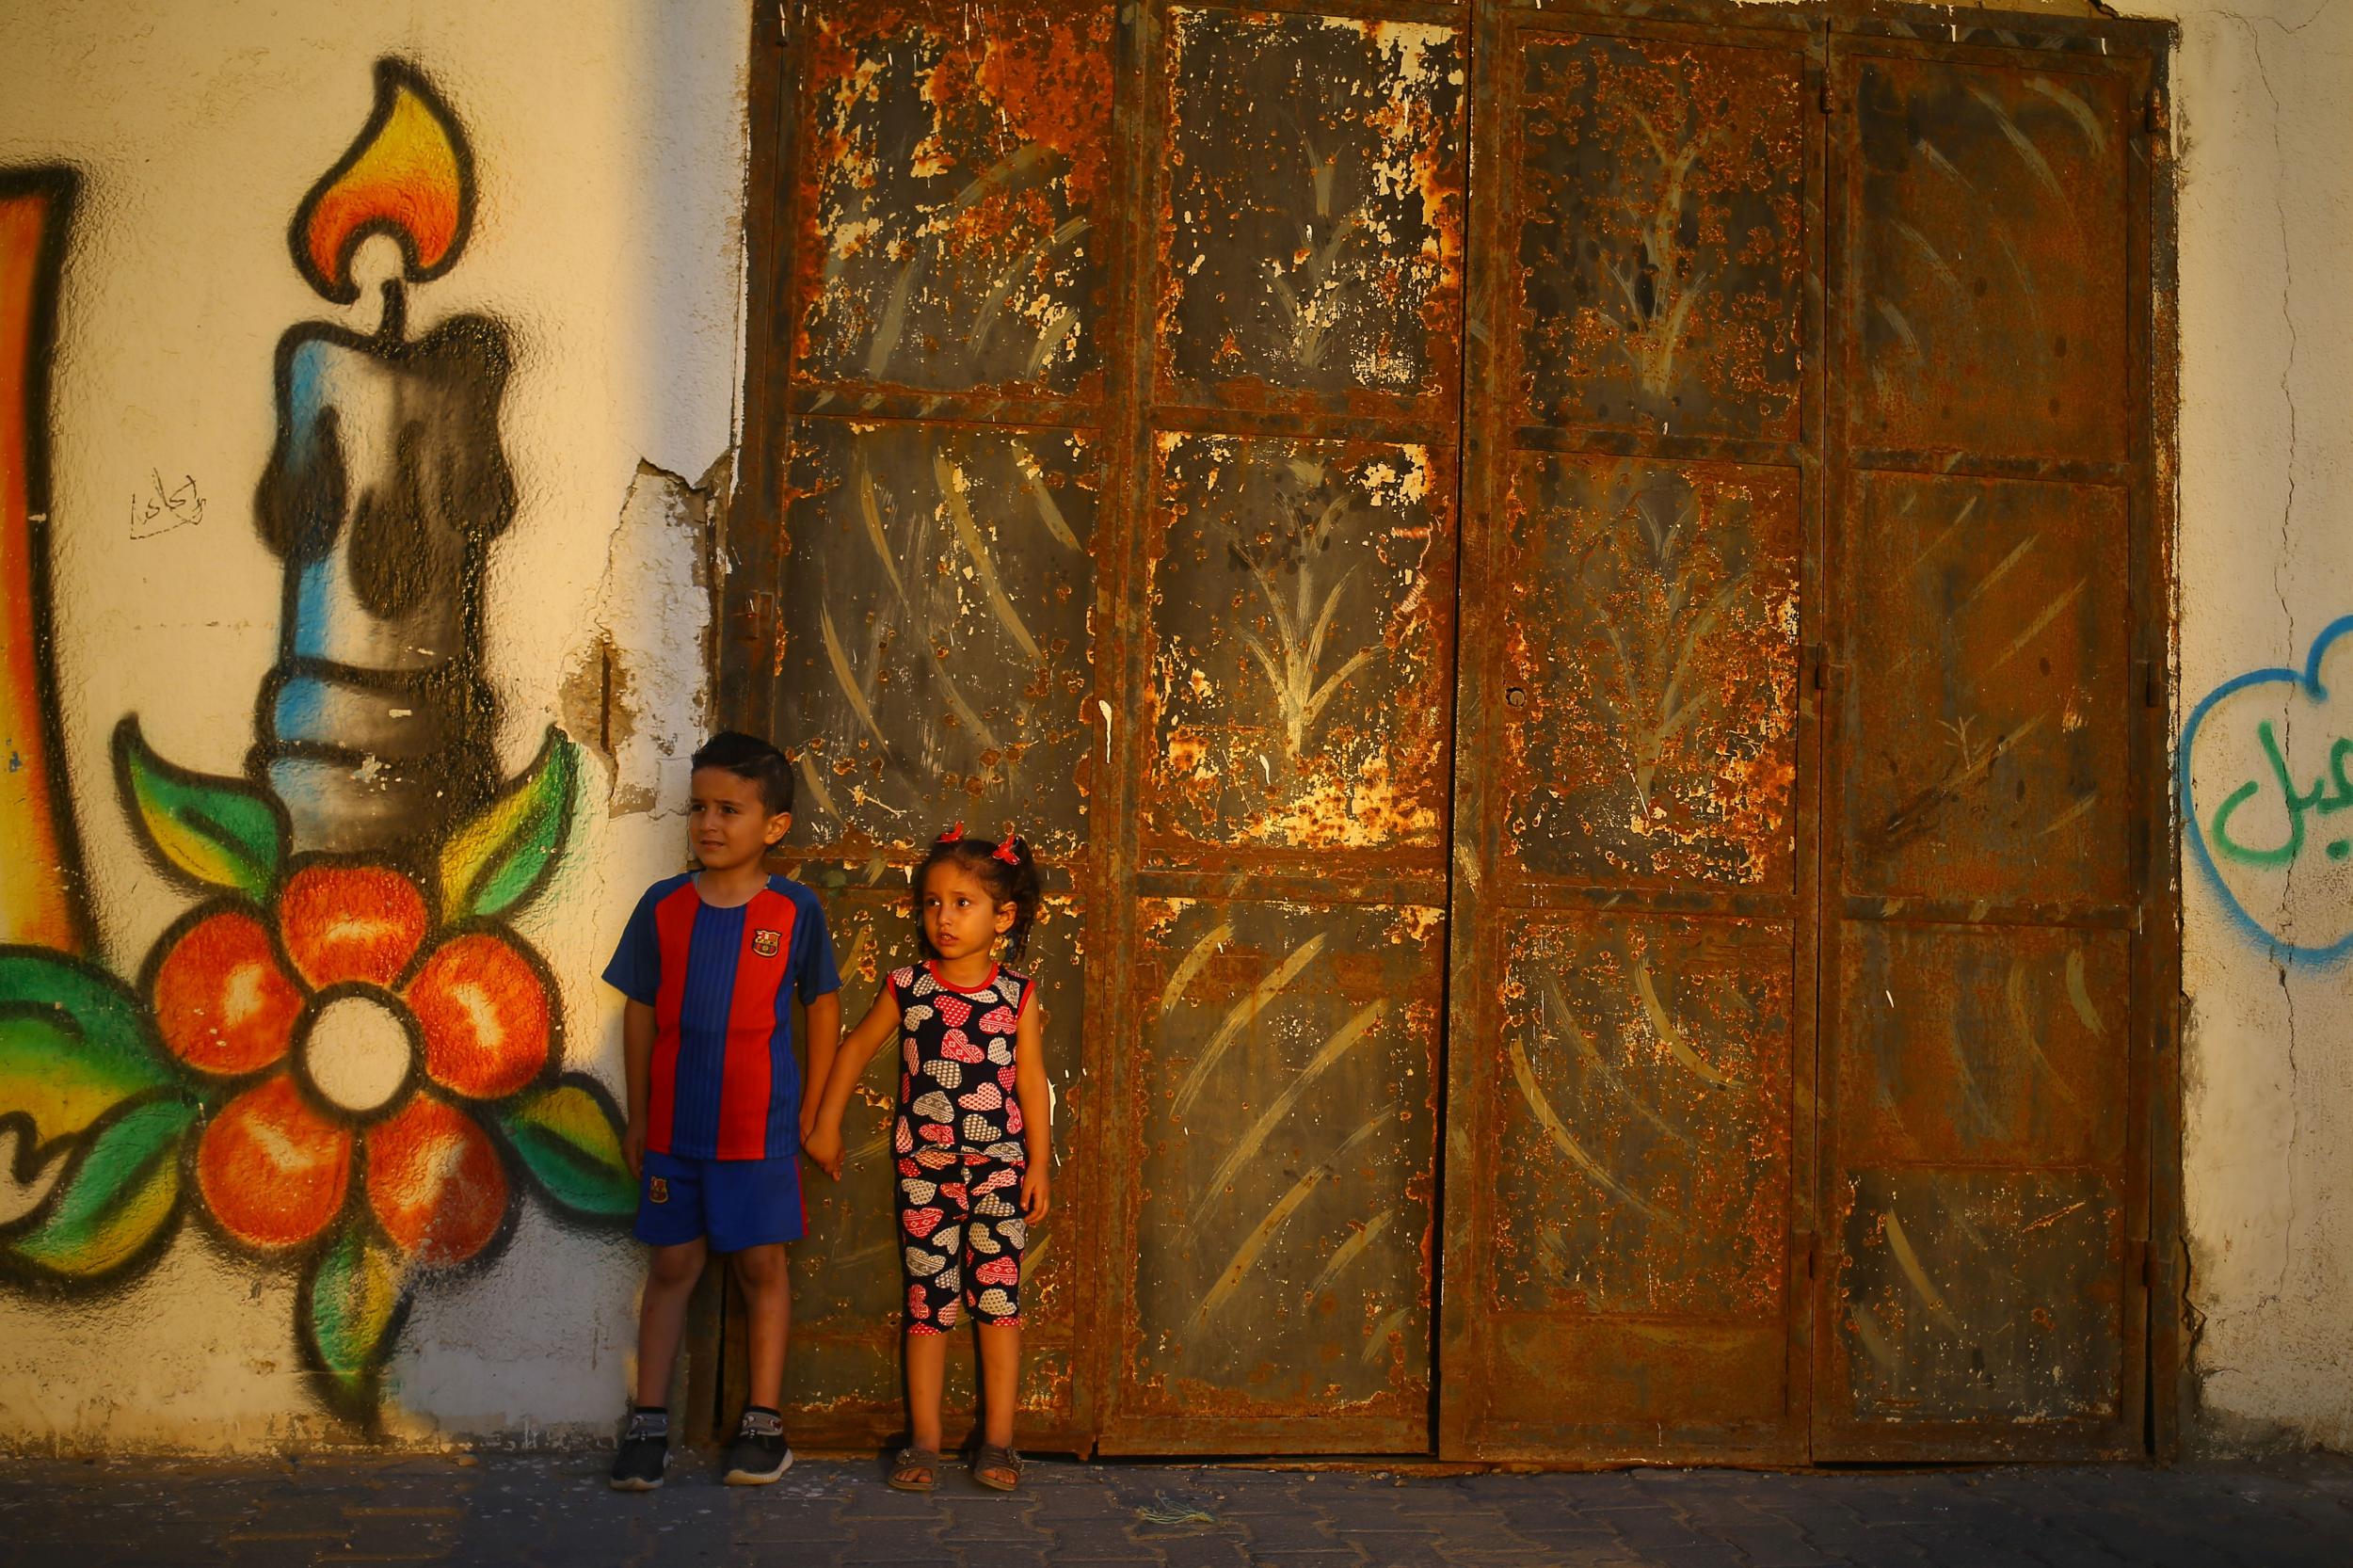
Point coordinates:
[[766, 943], [658, 1191]]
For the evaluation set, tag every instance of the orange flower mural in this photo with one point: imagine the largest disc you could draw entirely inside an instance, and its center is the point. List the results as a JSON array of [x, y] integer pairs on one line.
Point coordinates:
[[369, 1043], [351, 1065], [343, 1059]]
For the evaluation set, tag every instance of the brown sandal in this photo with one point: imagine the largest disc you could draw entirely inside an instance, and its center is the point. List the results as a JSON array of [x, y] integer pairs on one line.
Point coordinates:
[[991, 1462], [914, 1470]]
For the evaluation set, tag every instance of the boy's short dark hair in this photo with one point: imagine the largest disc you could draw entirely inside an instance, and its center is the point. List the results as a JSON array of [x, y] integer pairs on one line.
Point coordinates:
[[750, 757]]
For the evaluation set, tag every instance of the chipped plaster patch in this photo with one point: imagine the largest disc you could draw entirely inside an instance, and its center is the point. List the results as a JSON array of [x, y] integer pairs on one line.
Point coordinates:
[[633, 691]]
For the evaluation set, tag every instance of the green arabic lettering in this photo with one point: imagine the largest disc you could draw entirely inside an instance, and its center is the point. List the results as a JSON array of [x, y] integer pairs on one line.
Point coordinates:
[[2330, 792]]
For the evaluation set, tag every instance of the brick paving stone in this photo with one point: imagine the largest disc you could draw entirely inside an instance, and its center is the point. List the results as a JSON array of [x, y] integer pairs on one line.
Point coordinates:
[[1198, 1551], [1247, 1492], [1376, 1512], [1843, 1536], [1650, 1528], [1768, 1542], [1440, 1495], [979, 1515], [892, 1541], [1707, 1554], [1302, 1531], [1583, 1549], [1398, 1550]]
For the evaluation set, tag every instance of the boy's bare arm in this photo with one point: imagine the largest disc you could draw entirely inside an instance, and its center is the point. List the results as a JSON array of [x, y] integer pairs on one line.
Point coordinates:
[[637, 1032], [824, 1043]]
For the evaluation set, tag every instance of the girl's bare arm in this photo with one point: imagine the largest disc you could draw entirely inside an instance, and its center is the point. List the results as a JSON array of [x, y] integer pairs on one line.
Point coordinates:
[[849, 1063], [1036, 1098]]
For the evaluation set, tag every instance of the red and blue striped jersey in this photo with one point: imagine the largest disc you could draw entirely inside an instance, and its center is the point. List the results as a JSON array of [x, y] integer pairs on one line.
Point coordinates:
[[726, 1084]]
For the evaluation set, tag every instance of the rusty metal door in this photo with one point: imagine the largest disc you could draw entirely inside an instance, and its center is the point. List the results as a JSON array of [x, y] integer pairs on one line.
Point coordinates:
[[1996, 745], [1108, 488], [1632, 998], [1291, 670], [918, 613], [1121, 373]]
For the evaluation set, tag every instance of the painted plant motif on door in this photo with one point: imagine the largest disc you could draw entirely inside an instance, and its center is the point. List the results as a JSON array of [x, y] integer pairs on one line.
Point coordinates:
[[343, 1060]]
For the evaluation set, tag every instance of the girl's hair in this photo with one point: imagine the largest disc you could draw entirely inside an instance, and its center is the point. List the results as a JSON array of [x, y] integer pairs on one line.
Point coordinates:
[[1007, 870]]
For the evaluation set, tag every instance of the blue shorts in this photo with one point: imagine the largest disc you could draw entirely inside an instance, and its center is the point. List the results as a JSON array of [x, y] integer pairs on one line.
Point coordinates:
[[735, 1204]]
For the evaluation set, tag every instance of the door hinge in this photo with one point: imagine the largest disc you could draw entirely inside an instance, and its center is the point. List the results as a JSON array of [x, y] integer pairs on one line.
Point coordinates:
[[2151, 677], [2148, 1267], [1832, 102], [1810, 1248]]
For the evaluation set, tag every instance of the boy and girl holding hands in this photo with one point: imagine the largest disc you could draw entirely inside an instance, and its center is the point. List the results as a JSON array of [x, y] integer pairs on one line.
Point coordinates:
[[711, 962]]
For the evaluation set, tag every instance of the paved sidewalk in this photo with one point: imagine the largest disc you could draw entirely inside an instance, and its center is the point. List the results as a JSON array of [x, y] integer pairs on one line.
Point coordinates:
[[555, 1510]]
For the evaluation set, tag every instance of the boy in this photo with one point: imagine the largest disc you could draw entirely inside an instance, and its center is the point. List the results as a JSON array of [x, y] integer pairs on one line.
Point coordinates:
[[709, 962]]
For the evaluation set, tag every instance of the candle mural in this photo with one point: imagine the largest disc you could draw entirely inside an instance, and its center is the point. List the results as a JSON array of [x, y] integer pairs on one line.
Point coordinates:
[[343, 1060], [386, 487]]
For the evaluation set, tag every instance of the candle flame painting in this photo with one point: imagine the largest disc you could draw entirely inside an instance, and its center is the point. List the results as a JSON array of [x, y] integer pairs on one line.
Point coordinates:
[[341, 1061], [409, 175]]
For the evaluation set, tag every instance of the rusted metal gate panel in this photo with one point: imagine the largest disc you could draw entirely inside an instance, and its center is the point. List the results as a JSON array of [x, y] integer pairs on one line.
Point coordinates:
[[1287, 1126], [1986, 1185], [1125, 372], [1293, 659], [934, 639], [1631, 986]]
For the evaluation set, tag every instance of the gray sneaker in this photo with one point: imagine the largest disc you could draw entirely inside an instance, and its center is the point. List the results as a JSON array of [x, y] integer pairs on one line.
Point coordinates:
[[758, 1454], [645, 1452]]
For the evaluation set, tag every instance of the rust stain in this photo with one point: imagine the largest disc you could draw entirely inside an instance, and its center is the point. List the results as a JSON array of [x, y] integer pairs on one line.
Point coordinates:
[[952, 219], [1661, 242], [1300, 594], [1989, 198], [1654, 1053], [1311, 234], [1651, 624]]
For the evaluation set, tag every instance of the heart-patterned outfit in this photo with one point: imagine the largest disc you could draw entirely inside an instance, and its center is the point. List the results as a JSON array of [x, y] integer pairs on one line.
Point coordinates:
[[957, 1140]]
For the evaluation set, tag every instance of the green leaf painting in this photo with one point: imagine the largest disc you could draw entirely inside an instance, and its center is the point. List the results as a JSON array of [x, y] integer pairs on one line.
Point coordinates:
[[113, 1197], [498, 857], [569, 1140], [74, 1044], [351, 1305], [221, 832]]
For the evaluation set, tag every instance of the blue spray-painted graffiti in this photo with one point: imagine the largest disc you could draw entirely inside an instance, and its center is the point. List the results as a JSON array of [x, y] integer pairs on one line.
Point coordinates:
[[2266, 783]]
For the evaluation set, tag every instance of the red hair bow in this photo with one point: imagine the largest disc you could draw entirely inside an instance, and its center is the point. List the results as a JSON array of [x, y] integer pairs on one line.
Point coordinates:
[[1005, 850], [953, 834]]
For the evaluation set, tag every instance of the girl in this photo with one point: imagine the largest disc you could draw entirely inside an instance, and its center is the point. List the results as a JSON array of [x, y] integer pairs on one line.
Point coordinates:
[[970, 1135]]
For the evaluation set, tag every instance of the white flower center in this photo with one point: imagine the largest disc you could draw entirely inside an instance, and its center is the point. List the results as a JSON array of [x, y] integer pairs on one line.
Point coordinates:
[[357, 1052]]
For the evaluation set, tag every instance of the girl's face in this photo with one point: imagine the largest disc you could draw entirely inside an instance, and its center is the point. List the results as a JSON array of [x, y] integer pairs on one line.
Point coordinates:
[[960, 917]]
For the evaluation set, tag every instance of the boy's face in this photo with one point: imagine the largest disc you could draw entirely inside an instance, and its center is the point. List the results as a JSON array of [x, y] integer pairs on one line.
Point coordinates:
[[959, 916], [727, 822]]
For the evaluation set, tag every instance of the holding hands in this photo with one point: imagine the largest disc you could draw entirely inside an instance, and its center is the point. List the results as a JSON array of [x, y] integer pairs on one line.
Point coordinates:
[[1034, 1201]]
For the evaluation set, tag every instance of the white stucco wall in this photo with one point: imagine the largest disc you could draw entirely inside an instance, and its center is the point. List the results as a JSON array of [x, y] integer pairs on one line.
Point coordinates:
[[2263, 125], [608, 139]]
